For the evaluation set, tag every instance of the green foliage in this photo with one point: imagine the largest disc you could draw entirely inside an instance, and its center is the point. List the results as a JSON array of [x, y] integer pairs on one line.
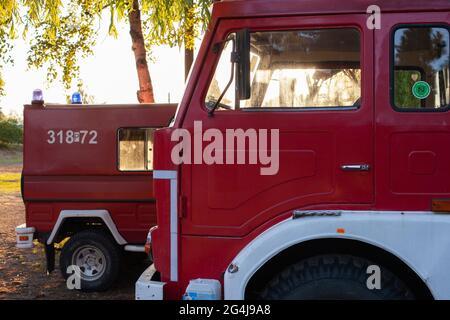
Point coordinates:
[[5, 57], [11, 131], [23, 14], [403, 89], [2, 84], [174, 22], [62, 31], [61, 49]]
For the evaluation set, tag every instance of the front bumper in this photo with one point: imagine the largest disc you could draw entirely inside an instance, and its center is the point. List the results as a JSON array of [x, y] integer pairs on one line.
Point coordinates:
[[24, 236], [146, 288]]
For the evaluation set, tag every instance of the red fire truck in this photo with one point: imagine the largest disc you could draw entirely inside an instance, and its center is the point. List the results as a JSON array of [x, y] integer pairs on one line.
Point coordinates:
[[87, 175], [357, 93]]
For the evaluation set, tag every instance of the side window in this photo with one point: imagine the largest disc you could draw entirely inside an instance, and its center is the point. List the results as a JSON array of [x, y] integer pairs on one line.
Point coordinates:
[[136, 149], [296, 69], [421, 68]]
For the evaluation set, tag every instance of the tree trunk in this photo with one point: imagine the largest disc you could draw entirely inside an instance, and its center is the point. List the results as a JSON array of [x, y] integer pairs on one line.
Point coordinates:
[[188, 60], [190, 33], [145, 92]]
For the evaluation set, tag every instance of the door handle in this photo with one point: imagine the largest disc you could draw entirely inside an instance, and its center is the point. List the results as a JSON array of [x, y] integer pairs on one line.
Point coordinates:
[[355, 167]]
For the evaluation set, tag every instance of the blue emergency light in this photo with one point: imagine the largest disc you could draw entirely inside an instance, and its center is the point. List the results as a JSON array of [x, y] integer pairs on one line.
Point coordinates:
[[76, 98]]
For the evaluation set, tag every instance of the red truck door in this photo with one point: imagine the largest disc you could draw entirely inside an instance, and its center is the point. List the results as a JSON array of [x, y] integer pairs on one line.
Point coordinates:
[[313, 81], [412, 101]]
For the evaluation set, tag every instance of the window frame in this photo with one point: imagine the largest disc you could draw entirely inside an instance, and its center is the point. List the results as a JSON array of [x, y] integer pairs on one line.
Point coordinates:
[[295, 109], [392, 66], [118, 149]]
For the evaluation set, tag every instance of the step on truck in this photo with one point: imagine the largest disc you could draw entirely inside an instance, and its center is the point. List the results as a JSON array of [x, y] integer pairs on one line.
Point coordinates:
[[87, 184], [309, 157]]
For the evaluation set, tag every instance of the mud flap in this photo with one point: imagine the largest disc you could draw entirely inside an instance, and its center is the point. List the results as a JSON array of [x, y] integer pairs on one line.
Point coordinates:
[[50, 257]]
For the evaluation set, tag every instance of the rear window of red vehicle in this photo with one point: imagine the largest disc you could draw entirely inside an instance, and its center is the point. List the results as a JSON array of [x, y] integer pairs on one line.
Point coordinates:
[[420, 79]]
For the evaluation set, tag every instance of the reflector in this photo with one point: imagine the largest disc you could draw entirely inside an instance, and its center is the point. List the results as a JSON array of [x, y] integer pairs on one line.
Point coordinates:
[[440, 205]]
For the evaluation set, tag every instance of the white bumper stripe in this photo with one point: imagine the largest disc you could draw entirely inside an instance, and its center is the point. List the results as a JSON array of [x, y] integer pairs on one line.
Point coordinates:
[[173, 177]]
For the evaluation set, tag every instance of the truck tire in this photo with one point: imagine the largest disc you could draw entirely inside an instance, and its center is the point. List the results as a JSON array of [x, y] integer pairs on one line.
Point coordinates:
[[96, 255], [333, 277]]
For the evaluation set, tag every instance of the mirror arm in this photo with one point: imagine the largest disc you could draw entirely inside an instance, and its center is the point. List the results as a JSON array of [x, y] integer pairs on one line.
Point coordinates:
[[218, 46], [233, 61]]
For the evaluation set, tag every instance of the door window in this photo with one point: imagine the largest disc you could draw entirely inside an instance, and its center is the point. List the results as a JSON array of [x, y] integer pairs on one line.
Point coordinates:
[[421, 68], [296, 69]]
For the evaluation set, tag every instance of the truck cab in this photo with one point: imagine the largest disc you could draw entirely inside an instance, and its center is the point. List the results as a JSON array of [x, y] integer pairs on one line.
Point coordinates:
[[311, 147], [87, 177]]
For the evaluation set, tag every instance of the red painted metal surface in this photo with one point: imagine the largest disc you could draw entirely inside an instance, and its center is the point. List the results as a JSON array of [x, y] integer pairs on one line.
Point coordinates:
[[224, 207], [412, 149], [62, 176]]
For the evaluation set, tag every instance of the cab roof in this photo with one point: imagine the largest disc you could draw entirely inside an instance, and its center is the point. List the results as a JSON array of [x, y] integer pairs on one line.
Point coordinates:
[[255, 8]]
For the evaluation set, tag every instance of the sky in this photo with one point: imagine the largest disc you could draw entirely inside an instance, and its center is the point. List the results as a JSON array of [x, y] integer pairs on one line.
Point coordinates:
[[109, 75]]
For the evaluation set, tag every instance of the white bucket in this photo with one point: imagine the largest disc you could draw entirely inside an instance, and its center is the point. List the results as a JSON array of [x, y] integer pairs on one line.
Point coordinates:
[[24, 237], [203, 289]]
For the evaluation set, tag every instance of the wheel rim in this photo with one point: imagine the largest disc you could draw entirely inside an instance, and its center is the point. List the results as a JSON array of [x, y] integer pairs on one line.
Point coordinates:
[[91, 261]]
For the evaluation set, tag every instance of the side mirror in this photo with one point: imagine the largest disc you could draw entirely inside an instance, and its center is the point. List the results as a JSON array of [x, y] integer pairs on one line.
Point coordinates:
[[243, 65]]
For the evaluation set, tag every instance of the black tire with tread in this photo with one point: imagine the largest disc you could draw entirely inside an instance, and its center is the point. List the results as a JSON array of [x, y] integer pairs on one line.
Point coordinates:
[[106, 244], [333, 277]]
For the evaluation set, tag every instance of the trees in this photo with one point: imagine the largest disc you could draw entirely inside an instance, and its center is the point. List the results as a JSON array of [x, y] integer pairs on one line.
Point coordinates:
[[145, 93], [11, 131], [5, 47], [65, 31]]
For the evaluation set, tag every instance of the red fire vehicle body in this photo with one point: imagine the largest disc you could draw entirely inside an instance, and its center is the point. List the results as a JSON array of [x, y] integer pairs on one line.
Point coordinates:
[[87, 170], [364, 140]]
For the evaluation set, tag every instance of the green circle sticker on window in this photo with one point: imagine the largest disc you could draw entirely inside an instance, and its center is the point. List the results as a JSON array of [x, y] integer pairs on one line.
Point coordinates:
[[421, 90]]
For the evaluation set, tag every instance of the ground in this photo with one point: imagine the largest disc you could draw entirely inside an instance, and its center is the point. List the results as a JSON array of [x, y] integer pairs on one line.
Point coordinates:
[[22, 271]]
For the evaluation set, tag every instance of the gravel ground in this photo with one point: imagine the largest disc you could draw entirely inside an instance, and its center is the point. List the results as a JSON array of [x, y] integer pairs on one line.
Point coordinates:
[[22, 271]]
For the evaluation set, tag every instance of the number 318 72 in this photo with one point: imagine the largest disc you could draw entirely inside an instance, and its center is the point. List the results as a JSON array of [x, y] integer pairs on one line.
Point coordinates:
[[71, 137]]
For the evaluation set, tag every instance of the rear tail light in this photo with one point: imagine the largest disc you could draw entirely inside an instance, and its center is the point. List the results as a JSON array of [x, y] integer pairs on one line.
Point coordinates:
[[24, 238]]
